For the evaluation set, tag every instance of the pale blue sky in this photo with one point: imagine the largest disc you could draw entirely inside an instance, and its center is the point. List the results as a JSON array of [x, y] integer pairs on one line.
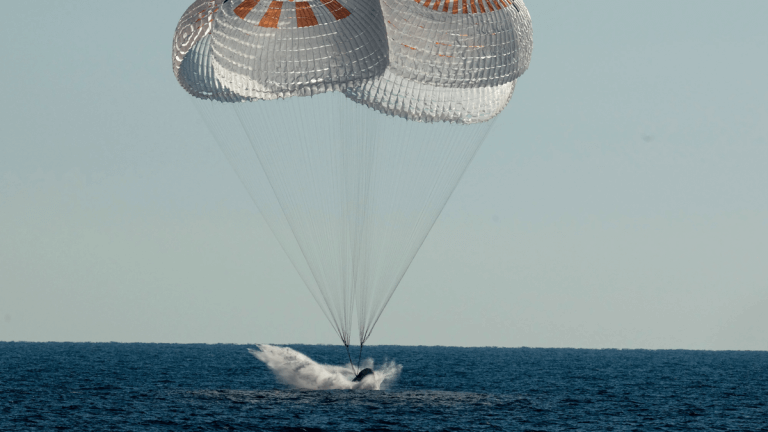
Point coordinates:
[[621, 200]]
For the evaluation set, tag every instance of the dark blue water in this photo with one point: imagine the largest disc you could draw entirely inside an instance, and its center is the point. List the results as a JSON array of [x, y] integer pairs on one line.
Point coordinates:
[[75, 386]]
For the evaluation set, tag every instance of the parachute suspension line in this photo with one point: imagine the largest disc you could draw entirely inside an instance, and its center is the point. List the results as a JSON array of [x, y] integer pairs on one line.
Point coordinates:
[[245, 161], [350, 360], [278, 144], [230, 135], [360, 356], [355, 193], [430, 161]]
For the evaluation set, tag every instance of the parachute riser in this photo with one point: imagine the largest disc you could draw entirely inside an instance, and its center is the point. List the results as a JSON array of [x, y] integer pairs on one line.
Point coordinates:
[[349, 356], [359, 356]]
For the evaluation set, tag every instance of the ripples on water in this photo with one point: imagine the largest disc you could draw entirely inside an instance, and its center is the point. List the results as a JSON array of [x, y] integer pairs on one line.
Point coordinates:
[[222, 387]]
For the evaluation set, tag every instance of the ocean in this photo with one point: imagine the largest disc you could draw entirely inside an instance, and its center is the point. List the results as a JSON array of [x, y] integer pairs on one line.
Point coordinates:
[[168, 387]]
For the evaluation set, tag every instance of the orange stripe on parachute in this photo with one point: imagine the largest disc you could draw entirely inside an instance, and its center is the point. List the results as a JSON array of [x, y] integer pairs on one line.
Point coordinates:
[[338, 11], [272, 16], [467, 6], [304, 15], [245, 8]]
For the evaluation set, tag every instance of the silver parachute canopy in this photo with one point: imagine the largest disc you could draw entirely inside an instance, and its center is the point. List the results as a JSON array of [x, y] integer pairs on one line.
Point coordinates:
[[454, 61], [458, 43], [352, 179]]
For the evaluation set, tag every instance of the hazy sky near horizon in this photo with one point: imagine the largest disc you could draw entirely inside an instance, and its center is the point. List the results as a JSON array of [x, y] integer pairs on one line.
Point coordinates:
[[621, 200]]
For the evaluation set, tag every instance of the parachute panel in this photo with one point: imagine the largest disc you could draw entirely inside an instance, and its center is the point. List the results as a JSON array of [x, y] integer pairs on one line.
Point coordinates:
[[197, 73], [442, 43], [268, 50], [394, 95]]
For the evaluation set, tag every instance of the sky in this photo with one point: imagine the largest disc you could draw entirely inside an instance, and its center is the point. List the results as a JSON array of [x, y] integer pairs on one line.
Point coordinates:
[[620, 201]]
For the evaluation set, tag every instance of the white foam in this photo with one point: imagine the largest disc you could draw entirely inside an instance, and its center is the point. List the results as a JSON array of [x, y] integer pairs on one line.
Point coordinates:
[[297, 370]]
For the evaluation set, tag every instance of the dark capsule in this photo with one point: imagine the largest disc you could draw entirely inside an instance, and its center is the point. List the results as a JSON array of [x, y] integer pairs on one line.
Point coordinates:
[[363, 373]]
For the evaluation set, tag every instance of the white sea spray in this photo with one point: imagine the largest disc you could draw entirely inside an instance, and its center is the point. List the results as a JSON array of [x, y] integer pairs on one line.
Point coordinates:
[[298, 370]]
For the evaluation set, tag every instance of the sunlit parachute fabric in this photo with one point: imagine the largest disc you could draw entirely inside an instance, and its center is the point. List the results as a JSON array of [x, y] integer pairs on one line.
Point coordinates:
[[351, 192], [450, 60], [398, 96], [267, 49], [195, 24], [191, 53], [458, 43]]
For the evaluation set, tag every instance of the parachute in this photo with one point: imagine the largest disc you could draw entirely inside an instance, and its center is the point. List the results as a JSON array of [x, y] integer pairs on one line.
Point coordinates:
[[352, 178]]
